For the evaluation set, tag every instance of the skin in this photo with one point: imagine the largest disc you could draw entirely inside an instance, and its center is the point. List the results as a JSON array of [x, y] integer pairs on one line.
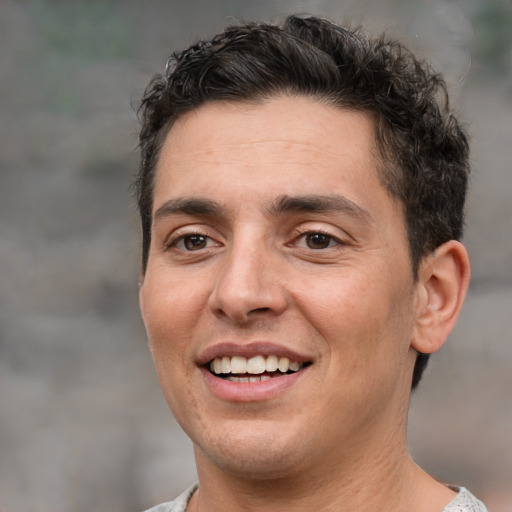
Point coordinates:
[[241, 265]]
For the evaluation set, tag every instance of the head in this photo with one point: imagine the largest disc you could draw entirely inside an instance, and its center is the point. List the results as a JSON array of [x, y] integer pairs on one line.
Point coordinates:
[[422, 151]]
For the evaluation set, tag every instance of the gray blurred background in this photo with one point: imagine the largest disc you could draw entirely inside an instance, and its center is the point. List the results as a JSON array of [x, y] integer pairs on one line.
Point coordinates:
[[83, 425]]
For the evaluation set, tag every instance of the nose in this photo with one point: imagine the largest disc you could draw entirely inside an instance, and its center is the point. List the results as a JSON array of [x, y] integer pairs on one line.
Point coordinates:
[[249, 285]]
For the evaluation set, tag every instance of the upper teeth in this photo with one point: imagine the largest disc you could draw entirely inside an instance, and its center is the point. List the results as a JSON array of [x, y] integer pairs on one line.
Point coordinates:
[[254, 365]]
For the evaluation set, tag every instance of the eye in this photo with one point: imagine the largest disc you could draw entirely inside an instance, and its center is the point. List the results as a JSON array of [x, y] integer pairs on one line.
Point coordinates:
[[193, 242], [317, 240]]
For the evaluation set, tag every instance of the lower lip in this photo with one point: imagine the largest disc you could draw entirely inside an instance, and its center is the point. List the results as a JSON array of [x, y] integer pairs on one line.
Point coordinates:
[[250, 391]]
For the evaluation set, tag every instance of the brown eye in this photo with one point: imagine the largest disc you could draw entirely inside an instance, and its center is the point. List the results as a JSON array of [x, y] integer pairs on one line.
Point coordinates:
[[318, 241], [195, 242]]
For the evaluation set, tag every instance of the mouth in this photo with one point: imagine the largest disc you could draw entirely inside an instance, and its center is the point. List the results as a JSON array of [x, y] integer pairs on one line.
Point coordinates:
[[254, 369]]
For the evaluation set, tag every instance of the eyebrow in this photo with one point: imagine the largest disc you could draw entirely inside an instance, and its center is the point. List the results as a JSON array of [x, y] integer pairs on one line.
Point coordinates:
[[283, 204], [188, 206], [319, 204]]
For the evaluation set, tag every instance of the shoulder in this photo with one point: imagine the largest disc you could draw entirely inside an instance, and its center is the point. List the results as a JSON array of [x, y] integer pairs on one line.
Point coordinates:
[[464, 502], [177, 505]]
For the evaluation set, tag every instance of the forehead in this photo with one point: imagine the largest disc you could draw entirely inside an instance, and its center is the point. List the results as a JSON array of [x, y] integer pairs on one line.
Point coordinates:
[[283, 136], [245, 155], [300, 116]]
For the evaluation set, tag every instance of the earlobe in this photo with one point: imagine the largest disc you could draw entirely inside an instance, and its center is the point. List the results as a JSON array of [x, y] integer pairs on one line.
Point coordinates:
[[441, 289]]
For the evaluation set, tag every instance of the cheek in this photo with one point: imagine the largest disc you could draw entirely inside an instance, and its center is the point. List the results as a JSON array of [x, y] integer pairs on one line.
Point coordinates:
[[364, 320], [167, 320], [171, 305]]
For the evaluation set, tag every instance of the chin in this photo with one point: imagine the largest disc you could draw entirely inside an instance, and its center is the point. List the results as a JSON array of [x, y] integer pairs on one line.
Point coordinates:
[[261, 467], [255, 454]]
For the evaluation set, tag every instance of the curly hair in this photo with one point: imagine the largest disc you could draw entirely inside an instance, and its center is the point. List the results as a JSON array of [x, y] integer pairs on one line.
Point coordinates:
[[424, 153]]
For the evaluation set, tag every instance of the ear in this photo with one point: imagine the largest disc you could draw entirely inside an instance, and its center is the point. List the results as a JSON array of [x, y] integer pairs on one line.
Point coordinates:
[[442, 285]]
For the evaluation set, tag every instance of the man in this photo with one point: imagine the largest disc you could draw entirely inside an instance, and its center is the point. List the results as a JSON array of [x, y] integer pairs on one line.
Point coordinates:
[[301, 195]]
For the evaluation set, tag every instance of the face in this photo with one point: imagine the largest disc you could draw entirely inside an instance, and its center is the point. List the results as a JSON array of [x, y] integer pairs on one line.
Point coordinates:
[[278, 297]]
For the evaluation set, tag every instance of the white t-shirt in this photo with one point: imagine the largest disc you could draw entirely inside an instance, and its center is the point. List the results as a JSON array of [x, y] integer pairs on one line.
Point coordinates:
[[463, 502]]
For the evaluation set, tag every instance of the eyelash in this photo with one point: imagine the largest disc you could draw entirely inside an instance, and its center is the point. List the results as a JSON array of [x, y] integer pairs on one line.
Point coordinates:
[[332, 239], [180, 238]]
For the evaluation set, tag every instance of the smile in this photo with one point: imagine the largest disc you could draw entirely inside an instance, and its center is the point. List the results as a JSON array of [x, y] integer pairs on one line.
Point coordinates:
[[254, 369]]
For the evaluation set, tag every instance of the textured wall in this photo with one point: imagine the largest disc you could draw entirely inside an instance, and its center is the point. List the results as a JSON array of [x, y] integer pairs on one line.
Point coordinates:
[[83, 426]]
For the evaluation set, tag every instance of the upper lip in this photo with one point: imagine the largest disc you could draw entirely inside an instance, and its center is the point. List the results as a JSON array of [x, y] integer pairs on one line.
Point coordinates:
[[248, 350]]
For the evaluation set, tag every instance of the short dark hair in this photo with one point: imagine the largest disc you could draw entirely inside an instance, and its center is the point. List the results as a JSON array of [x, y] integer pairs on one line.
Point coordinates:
[[424, 151]]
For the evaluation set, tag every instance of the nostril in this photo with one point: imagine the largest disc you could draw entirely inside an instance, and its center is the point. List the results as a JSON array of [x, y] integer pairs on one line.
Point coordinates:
[[259, 310]]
